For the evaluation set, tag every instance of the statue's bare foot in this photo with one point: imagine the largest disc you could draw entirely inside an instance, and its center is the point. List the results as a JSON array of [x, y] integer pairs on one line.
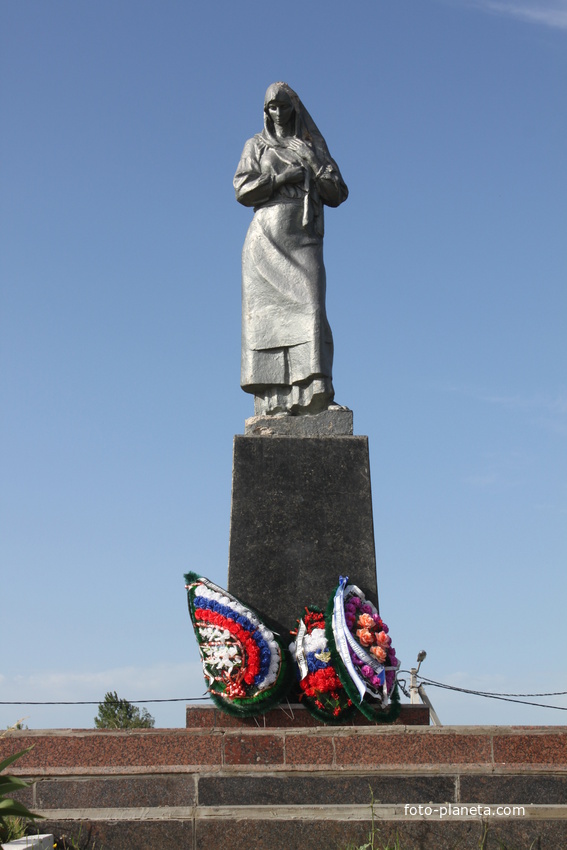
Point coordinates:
[[335, 406]]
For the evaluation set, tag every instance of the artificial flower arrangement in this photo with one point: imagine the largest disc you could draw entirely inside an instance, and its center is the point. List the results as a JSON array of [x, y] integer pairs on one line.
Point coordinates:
[[362, 652], [244, 663], [321, 689], [344, 657]]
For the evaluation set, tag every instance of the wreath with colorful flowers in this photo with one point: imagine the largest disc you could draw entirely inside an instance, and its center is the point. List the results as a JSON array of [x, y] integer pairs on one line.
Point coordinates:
[[321, 689], [362, 653], [244, 663], [344, 658]]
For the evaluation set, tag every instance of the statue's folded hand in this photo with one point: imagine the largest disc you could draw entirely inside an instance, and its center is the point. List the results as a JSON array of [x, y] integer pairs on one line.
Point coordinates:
[[305, 152], [292, 174]]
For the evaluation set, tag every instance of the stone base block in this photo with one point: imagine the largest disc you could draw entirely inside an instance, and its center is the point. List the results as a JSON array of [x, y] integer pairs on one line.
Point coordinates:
[[301, 517], [329, 423]]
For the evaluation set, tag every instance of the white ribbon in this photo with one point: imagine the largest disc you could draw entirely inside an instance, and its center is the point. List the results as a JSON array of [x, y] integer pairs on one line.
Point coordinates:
[[344, 639], [340, 631], [300, 651]]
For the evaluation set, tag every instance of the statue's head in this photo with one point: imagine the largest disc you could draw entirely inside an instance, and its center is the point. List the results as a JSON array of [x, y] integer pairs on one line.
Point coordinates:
[[279, 106], [277, 91], [283, 108]]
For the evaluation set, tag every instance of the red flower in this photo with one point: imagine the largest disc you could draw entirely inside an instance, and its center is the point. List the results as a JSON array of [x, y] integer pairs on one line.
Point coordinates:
[[322, 681], [313, 620]]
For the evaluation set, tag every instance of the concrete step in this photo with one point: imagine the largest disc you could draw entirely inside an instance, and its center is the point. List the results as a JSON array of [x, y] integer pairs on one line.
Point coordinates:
[[30, 842]]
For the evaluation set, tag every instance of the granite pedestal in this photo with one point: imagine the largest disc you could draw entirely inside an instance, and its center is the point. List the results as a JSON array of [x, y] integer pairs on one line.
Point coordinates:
[[221, 784], [301, 515]]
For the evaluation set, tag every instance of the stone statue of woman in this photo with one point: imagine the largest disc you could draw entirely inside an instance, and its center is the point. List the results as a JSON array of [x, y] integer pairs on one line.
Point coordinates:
[[287, 174]]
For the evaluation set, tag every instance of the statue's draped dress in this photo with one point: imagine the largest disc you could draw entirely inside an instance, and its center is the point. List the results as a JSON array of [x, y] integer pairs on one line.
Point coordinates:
[[287, 344]]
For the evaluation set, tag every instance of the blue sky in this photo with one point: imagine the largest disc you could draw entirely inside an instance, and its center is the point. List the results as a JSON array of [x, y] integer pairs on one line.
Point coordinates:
[[123, 123]]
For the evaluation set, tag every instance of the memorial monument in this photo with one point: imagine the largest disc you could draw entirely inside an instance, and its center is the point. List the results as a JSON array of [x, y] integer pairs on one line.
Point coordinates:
[[301, 511], [286, 173]]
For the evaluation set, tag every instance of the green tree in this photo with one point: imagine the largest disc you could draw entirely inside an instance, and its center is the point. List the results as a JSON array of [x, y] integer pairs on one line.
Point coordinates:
[[115, 713]]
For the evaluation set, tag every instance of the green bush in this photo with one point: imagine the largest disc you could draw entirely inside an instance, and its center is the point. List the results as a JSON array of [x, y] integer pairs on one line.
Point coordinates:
[[10, 809]]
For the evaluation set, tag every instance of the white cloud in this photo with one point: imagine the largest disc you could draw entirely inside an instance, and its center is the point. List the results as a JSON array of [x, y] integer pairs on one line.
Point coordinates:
[[157, 681], [547, 411], [551, 404], [551, 14], [480, 479]]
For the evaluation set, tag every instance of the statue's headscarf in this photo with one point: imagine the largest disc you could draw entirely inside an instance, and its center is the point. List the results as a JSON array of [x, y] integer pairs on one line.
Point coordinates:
[[307, 131], [305, 127]]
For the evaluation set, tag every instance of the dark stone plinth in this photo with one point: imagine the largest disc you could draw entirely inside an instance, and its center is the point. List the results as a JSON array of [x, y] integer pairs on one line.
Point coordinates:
[[301, 517]]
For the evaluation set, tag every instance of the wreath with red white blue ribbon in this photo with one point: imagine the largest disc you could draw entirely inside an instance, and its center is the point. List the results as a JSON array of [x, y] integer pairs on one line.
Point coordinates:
[[245, 665], [344, 658]]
